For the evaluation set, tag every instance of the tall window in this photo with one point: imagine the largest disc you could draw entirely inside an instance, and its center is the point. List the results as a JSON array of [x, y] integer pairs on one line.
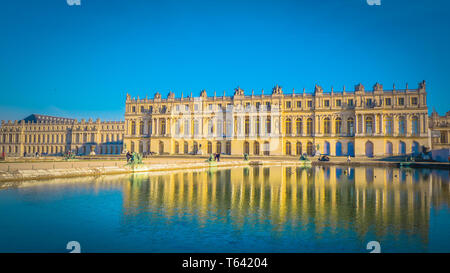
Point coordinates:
[[268, 125], [388, 126], [298, 148], [246, 148], [247, 126], [326, 126], [209, 147], [257, 126], [219, 131], [141, 127], [178, 127], [133, 128], [228, 147], [402, 126], [163, 127], [309, 126], [196, 127], [299, 126], [350, 126], [309, 148], [186, 147], [415, 126], [338, 126], [219, 147], [186, 127], [369, 125], [256, 148], [288, 148], [210, 127], [288, 126]]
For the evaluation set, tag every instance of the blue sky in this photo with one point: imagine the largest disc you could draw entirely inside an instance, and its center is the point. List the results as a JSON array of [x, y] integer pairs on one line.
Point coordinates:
[[80, 61]]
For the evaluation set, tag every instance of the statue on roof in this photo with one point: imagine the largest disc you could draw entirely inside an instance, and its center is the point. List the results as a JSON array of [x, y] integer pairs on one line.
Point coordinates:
[[277, 90], [238, 91]]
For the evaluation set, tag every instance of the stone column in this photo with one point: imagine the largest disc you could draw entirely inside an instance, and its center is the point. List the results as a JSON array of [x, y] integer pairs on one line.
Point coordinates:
[[395, 125], [374, 124], [316, 127], [363, 123], [380, 128]]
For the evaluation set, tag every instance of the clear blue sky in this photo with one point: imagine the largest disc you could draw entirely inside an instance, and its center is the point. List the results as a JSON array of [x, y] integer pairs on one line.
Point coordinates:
[[80, 61]]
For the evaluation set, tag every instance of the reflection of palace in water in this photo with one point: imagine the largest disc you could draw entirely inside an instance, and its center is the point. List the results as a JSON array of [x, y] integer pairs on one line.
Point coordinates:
[[384, 200]]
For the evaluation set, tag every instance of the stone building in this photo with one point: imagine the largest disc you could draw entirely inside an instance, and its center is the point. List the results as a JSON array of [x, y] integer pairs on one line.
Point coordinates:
[[440, 130], [55, 135], [362, 122]]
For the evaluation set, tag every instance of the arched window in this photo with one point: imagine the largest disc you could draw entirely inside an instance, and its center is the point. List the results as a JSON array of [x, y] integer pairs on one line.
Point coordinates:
[[338, 126], [228, 147], [209, 147], [256, 148], [219, 147], [247, 126], [298, 148], [389, 148], [369, 125], [177, 148], [309, 148], [141, 147], [288, 148], [369, 149], [415, 126], [266, 148], [309, 126], [132, 146], [195, 148], [268, 125], [299, 126], [402, 148], [288, 126], [246, 148], [161, 147], [186, 147]]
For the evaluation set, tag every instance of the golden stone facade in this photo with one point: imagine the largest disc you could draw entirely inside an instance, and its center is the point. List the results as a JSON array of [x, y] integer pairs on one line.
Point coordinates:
[[357, 123], [440, 131], [39, 134]]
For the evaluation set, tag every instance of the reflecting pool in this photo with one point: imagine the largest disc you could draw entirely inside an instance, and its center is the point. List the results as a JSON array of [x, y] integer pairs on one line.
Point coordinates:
[[251, 209]]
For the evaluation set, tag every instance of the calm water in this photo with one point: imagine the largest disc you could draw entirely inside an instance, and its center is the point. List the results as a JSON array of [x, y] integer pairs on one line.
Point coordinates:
[[261, 209]]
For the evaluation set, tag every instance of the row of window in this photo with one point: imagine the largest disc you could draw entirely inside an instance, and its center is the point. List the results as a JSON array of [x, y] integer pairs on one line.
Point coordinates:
[[288, 104], [228, 128]]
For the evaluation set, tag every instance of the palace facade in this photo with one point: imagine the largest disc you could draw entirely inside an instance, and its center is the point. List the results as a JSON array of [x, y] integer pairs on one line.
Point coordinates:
[[361, 122], [55, 135], [440, 131]]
